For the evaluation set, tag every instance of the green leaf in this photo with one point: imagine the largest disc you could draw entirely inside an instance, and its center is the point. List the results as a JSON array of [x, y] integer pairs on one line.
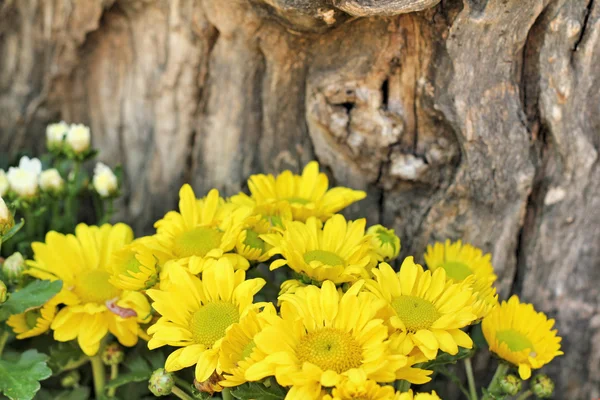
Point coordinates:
[[128, 378], [36, 294], [445, 358], [19, 378], [258, 390], [65, 356], [478, 338], [12, 231], [80, 393]]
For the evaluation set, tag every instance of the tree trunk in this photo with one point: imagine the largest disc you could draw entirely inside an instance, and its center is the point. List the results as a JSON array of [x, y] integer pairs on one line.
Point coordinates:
[[472, 119]]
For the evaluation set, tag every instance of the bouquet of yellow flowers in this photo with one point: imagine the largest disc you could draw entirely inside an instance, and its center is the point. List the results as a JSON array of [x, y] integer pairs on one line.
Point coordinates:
[[270, 294]]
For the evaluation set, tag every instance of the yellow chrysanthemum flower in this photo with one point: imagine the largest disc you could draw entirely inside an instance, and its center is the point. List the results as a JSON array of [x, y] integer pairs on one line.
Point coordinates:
[[461, 261], [36, 321], [321, 337], [94, 306], [274, 213], [238, 350], [202, 231], [357, 386], [339, 251], [521, 336], [426, 311], [416, 396], [195, 314], [385, 242], [307, 195], [134, 267], [249, 243]]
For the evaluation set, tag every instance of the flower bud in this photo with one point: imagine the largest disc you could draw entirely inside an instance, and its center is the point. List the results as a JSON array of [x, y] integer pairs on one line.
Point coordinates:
[[113, 354], [7, 220], [384, 241], [105, 181], [510, 385], [55, 135], [13, 267], [542, 386], [161, 382], [78, 138], [70, 379], [51, 181], [4, 184], [3, 292]]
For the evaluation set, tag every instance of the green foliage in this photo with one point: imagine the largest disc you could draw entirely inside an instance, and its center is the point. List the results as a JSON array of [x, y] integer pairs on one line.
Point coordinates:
[[36, 294], [20, 374], [65, 356], [139, 367], [445, 358], [267, 390]]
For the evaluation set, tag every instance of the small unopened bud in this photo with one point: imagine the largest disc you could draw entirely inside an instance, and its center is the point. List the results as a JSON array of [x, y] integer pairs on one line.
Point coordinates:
[[70, 379], [385, 242], [55, 135], [113, 354], [510, 385], [211, 385], [542, 386], [161, 382], [24, 178], [3, 292], [4, 184], [78, 138], [13, 267], [7, 220], [51, 181], [105, 181]]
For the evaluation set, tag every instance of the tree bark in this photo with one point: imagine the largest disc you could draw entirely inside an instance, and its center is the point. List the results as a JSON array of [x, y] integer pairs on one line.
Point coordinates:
[[472, 119]]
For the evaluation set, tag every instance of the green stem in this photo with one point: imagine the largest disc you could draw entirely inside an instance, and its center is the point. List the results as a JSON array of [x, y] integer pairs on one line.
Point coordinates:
[[110, 210], [402, 386], [99, 375], [181, 394], [501, 371], [444, 371], [471, 380], [114, 373], [3, 339], [525, 395], [227, 394], [29, 224]]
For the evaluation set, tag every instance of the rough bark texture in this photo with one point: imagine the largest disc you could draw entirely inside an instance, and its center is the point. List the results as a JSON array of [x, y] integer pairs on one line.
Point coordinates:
[[473, 119]]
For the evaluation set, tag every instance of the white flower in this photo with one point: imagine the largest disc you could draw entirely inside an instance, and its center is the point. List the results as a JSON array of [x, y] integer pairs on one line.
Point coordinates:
[[5, 215], [105, 181], [4, 185], [55, 133], [23, 182], [50, 180], [33, 165], [78, 138]]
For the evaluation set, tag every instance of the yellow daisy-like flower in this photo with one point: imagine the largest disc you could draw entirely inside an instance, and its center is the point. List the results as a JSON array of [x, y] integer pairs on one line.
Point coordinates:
[[357, 386], [249, 243], [385, 242], [196, 314], [36, 321], [134, 267], [461, 261], [307, 195], [94, 306], [521, 336], [416, 396], [339, 251], [322, 337], [426, 311], [202, 231], [238, 350]]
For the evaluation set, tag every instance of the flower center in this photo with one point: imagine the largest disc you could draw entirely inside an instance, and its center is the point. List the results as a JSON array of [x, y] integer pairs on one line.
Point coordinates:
[[31, 318], [330, 349], [515, 341], [209, 323], [324, 256], [94, 287], [197, 242], [247, 350], [253, 240], [415, 312], [457, 270], [128, 264], [274, 220], [297, 200]]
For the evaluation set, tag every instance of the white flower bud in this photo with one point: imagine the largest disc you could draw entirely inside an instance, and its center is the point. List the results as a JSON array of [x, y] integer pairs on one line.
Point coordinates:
[[23, 182], [6, 218], [51, 181], [105, 181], [4, 185], [78, 138], [55, 134], [33, 165]]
